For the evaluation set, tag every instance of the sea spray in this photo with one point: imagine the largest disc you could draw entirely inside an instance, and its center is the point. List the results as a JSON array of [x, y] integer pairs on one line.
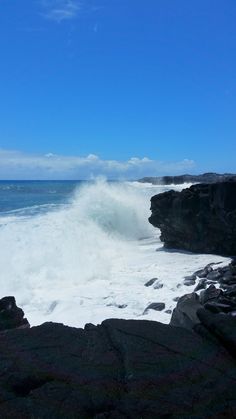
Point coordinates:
[[81, 261], [65, 248]]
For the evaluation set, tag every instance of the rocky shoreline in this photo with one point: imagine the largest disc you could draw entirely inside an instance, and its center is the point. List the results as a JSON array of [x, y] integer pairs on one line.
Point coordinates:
[[199, 219], [121, 368], [136, 369], [180, 179]]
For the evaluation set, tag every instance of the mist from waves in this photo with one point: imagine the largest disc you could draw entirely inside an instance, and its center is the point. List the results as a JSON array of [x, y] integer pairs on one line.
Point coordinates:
[[72, 244], [88, 258]]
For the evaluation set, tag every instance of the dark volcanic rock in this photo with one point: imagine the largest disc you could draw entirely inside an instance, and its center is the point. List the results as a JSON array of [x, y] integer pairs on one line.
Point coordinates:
[[214, 275], [120, 369], [211, 293], [189, 281], [178, 180], [158, 285], [222, 326], [155, 306], [150, 282], [201, 285], [199, 219], [202, 273], [11, 316], [185, 313], [218, 307]]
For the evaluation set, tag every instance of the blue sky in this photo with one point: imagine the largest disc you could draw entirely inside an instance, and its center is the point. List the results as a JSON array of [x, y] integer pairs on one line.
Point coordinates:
[[124, 88]]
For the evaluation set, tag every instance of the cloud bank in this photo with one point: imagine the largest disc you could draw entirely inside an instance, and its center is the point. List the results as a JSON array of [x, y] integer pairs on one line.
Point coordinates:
[[20, 165]]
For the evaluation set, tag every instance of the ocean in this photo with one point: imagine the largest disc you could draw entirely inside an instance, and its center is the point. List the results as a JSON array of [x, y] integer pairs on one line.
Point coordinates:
[[79, 252]]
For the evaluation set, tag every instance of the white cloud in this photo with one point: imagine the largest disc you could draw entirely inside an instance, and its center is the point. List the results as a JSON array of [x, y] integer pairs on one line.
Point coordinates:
[[19, 165], [59, 10]]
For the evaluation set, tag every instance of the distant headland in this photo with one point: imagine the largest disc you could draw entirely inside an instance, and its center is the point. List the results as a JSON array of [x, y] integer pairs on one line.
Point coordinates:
[[178, 180]]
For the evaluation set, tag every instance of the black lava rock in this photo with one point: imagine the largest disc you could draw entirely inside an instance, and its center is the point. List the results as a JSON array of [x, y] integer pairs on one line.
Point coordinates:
[[150, 282], [155, 306], [201, 285], [211, 293], [119, 369], [223, 326], [214, 275], [11, 316], [199, 219], [185, 313], [158, 285], [202, 273]]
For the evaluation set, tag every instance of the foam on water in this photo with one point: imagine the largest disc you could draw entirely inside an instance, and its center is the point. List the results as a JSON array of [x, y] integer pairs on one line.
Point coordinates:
[[80, 262]]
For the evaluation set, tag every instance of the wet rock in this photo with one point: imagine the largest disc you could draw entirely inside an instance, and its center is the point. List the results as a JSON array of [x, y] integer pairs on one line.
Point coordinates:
[[158, 285], [231, 291], [202, 273], [189, 282], [11, 316], [176, 299], [201, 285], [222, 326], [185, 313], [233, 263], [190, 277], [201, 218], [117, 305], [151, 282], [228, 279], [211, 293], [214, 275], [155, 306], [217, 307]]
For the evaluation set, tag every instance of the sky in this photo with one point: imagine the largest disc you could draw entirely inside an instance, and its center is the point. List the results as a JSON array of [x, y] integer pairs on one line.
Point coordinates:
[[121, 88]]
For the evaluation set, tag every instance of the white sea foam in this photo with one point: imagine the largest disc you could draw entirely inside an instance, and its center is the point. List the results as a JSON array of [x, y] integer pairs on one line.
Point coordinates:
[[81, 262]]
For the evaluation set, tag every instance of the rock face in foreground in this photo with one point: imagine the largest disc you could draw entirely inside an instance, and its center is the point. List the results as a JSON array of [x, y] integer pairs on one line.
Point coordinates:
[[120, 369], [201, 218]]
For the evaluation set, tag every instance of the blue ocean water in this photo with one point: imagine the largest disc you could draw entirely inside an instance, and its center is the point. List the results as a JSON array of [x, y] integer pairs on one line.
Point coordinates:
[[35, 195]]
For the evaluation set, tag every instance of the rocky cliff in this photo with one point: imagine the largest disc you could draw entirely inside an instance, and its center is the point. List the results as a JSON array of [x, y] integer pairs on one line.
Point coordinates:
[[201, 218]]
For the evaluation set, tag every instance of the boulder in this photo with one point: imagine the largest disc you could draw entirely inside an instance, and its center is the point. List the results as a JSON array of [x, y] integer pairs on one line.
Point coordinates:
[[223, 326], [185, 313], [211, 293], [11, 316], [201, 218], [155, 306], [201, 284], [150, 282]]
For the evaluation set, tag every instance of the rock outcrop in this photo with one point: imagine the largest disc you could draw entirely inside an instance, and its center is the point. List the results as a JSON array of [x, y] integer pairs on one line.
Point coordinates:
[[178, 180], [11, 316], [125, 368], [119, 369], [201, 218]]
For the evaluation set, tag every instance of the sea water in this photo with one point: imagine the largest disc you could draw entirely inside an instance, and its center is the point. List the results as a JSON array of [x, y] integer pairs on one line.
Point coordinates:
[[80, 252]]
